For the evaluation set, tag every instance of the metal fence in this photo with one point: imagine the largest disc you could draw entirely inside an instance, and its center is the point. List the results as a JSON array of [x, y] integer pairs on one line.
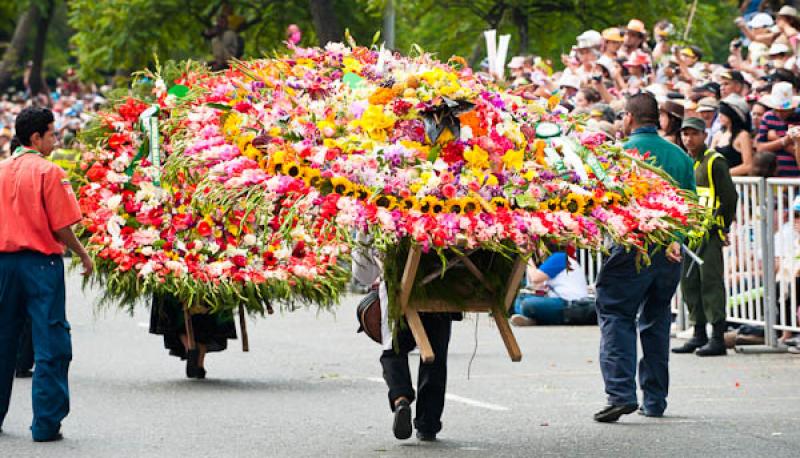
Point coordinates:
[[762, 269]]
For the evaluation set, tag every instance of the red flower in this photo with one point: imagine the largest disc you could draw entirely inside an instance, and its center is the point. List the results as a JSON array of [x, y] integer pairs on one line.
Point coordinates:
[[204, 229], [96, 172], [269, 259], [453, 152], [117, 140], [239, 261]]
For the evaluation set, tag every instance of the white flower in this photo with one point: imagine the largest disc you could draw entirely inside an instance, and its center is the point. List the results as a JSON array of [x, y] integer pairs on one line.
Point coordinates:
[[114, 202]]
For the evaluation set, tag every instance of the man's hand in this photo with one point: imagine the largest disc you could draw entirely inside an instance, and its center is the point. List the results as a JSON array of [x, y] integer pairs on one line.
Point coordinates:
[[674, 252], [88, 265]]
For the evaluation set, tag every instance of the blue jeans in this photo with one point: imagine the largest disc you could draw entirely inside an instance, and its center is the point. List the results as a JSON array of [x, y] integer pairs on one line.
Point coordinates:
[[545, 310], [32, 284], [622, 293]]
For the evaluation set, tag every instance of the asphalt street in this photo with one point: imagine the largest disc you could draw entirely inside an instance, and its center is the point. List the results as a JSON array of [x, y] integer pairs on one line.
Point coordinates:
[[311, 386]]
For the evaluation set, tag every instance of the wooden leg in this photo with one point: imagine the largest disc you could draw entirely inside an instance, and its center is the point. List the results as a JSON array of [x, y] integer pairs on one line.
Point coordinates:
[[420, 336], [411, 314], [508, 336], [243, 327], [512, 288]]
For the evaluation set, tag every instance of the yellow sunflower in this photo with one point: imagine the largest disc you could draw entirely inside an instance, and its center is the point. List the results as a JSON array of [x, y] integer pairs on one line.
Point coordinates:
[[360, 192], [310, 175], [341, 185], [499, 202], [454, 206], [427, 203], [470, 205], [291, 169], [386, 201], [409, 203], [574, 203]]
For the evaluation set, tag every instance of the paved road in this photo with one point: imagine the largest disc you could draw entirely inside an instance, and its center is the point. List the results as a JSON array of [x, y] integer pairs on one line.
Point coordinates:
[[311, 387]]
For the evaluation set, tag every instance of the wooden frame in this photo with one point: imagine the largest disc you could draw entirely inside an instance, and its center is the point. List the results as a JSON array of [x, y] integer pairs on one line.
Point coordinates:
[[411, 309]]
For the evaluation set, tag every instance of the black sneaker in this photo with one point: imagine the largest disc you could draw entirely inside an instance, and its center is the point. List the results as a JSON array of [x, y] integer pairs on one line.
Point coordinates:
[[402, 420], [611, 414], [425, 436], [24, 374]]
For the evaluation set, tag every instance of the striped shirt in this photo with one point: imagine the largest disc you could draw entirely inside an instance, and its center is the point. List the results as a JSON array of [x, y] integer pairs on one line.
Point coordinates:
[[787, 165]]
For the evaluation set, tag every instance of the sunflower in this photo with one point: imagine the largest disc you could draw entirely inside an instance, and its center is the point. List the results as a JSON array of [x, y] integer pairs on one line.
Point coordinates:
[[341, 185], [360, 192], [470, 205], [453, 206], [386, 201], [612, 198], [574, 203], [409, 203], [310, 175], [291, 169], [427, 203], [553, 204], [590, 203], [499, 202]]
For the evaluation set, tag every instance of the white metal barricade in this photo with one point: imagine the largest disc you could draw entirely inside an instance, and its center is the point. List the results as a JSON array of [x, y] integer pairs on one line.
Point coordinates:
[[785, 225]]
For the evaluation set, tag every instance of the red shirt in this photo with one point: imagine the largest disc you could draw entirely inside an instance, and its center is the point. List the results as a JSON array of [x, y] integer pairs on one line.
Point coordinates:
[[36, 199]]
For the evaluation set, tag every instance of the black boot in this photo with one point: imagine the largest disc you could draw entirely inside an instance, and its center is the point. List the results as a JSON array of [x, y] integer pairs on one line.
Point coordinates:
[[699, 339], [715, 346]]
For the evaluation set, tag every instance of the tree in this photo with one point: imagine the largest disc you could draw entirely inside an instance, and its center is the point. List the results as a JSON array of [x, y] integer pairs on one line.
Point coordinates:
[[36, 78], [325, 21], [16, 48]]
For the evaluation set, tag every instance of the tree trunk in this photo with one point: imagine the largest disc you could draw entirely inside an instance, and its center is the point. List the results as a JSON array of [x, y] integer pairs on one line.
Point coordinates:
[[325, 22], [16, 48], [520, 18], [37, 83]]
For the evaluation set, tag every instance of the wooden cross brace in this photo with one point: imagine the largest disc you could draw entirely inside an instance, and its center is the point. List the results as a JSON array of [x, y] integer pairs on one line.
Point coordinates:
[[411, 309]]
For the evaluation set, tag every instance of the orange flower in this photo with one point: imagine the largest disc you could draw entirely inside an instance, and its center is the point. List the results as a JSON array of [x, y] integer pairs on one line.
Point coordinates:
[[471, 119], [539, 152], [381, 96]]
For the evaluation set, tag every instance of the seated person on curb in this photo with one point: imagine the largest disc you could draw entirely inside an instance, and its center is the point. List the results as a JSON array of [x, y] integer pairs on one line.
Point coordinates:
[[553, 287]]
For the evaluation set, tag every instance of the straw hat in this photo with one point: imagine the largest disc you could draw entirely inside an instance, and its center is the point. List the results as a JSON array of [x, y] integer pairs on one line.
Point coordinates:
[[787, 10], [738, 104], [637, 26], [613, 34]]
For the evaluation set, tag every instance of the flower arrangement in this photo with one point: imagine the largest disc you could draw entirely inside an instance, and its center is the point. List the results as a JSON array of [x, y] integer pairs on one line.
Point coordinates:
[[272, 165]]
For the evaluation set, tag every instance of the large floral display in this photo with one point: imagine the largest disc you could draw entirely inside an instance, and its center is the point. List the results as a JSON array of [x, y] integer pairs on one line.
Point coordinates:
[[247, 186]]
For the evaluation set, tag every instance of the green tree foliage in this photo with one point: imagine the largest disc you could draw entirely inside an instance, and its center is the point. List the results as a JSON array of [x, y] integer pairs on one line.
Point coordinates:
[[108, 37]]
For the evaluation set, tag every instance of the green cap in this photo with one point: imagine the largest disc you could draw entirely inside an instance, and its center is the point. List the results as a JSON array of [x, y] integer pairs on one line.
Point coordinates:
[[694, 123]]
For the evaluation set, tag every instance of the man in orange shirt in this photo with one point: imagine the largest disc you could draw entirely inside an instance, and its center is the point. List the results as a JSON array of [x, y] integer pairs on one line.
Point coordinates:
[[37, 210]]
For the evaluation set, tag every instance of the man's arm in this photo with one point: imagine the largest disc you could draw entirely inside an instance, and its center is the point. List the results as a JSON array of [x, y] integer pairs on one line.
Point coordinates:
[[67, 237], [726, 192]]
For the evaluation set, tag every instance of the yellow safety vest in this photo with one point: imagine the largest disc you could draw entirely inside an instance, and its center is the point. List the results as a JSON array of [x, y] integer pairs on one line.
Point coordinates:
[[707, 195], [67, 159]]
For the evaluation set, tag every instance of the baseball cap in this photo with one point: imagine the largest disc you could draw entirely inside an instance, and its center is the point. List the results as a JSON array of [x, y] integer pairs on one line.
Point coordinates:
[[693, 123], [589, 39], [708, 87], [733, 75]]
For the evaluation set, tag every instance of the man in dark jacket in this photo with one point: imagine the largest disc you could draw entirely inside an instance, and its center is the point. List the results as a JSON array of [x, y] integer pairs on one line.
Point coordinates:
[[703, 286]]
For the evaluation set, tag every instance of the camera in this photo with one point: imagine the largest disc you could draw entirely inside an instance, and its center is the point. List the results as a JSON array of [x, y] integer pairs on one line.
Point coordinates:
[[737, 43], [597, 77]]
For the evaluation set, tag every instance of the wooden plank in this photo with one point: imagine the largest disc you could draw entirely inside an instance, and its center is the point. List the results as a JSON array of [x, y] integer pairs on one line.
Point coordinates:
[[409, 274], [512, 288], [442, 306], [508, 336], [476, 272], [420, 336]]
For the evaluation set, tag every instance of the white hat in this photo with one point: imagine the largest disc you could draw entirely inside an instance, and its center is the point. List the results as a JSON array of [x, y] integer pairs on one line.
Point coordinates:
[[606, 63], [781, 97], [589, 39], [516, 62], [569, 80], [787, 10], [761, 20], [778, 48]]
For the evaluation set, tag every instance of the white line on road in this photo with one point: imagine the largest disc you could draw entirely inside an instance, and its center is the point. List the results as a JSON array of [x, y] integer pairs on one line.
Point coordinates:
[[461, 399]]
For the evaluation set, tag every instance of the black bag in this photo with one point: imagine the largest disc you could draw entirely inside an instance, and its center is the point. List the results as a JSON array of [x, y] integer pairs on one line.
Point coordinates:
[[368, 314]]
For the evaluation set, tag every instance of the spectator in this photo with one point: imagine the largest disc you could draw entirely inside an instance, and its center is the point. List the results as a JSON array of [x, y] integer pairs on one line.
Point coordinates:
[[586, 97], [612, 42], [732, 83], [774, 126], [707, 110], [635, 34], [734, 141], [557, 285], [670, 119]]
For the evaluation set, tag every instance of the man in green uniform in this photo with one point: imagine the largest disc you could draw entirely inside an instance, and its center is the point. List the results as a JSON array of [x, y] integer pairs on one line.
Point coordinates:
[[703, 286]]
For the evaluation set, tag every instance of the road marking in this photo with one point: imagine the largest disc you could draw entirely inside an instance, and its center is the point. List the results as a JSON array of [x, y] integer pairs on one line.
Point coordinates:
[[143, 325], [461, 399]]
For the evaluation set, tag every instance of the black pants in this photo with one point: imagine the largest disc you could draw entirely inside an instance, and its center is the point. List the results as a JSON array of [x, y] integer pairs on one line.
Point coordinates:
[[432, 379], [25, 351]]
